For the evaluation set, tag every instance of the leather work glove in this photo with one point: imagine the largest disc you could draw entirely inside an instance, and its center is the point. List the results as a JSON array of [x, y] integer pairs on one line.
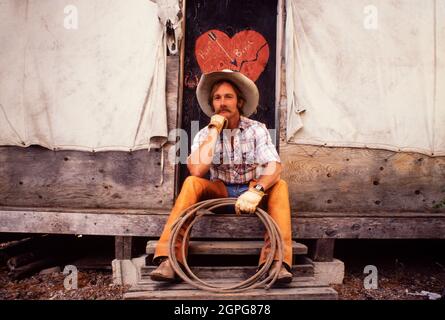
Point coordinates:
[[248, 201], [219, 122]]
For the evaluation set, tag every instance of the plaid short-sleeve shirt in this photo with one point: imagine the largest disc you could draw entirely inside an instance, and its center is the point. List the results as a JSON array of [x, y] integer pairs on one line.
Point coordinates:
[[252, 149]]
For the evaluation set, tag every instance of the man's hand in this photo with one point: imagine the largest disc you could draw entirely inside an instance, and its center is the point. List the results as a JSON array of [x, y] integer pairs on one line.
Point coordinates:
[[248, 201], [219, 122]]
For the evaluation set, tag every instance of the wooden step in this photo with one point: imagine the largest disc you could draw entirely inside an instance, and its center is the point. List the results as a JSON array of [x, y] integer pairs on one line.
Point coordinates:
[[241, 272], [303, 285], [147, 284], [317, 293], [299, 289], [247, 247]]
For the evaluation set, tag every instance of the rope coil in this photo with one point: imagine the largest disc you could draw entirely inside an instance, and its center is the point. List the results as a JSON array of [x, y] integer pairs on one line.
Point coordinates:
[[191, 215]]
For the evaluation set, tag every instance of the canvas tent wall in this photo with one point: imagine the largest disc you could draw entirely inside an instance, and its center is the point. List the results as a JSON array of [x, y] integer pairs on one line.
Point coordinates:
[[367, 75], [82, 75]]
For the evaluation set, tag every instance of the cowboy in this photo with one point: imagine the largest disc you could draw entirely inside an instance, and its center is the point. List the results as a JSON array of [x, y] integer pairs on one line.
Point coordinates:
[[243, 163]]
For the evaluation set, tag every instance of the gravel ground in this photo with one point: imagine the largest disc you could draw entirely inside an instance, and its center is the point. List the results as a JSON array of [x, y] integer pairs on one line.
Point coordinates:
[[398, 282], [404, 268], [401, 273], [92, 285]]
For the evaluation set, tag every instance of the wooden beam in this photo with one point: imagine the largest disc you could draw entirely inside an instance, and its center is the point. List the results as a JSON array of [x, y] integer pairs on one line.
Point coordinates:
[[280, 50], [288, 293], [323, 250], [123, 248], [231, 247], [310, 225]]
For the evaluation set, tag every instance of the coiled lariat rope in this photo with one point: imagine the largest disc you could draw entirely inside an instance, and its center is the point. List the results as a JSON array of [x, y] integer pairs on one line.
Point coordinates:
[[199, 209]]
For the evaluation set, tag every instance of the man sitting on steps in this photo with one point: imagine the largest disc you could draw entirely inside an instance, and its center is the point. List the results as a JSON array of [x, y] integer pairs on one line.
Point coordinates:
[[243, 164]]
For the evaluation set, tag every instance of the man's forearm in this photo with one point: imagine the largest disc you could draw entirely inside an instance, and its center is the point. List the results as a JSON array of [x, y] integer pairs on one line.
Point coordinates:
[[200, 160], [271, 175]]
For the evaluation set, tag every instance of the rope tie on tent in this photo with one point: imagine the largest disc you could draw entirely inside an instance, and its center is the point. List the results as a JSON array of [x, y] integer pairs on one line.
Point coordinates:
[[191, 215]]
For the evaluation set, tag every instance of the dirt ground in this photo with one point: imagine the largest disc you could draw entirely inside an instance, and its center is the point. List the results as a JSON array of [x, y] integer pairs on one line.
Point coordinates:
[[399, 281], [92, 285], [404, 268]]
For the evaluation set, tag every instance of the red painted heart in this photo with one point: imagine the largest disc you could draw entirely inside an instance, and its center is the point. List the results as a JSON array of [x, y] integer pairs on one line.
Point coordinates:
[[247, 52]]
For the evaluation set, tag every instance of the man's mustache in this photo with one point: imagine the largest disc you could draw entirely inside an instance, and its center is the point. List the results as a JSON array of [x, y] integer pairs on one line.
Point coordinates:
[[223, 109]]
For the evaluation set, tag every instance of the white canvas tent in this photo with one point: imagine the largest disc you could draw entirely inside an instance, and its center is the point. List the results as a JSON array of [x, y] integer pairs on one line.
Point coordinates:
[[367, 74], [84, 75]]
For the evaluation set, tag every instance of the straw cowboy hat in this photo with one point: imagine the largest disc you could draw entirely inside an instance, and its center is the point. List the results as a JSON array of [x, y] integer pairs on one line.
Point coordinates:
[[247, 87]]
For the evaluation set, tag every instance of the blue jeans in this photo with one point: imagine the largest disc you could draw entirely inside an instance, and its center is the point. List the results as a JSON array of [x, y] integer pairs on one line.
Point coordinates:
[[235, 190]]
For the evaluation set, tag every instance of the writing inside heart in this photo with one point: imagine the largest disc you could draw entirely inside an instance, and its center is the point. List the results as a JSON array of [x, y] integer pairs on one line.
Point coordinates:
[[246, 52]]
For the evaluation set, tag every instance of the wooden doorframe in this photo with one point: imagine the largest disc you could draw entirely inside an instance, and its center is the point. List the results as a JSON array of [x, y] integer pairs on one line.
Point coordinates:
[[280, 54], [180, 96]]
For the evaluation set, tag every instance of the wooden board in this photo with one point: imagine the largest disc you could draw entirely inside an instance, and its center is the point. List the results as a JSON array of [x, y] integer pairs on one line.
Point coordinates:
[[123, 248], [228, 247], [146, 284], [239, 272], [311, 225], [291, 293], [323, 250], [39, 177]]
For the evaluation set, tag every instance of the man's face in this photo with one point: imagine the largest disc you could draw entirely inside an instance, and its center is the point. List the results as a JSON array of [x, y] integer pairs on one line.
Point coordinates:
[[225, 101]]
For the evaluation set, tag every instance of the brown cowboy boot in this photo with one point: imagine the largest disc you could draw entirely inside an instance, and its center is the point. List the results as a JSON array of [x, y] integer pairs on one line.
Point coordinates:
[[164, 272], [284, 276]]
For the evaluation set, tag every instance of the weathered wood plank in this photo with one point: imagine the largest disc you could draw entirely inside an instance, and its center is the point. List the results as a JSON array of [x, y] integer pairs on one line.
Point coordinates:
[[323, 250], [228, 247], [38, 177], [123, 248], [166, 211], [316, 226], [317, 293], [362, 180], [148, 285], [300, 270], [146, 281], [111, 211]]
